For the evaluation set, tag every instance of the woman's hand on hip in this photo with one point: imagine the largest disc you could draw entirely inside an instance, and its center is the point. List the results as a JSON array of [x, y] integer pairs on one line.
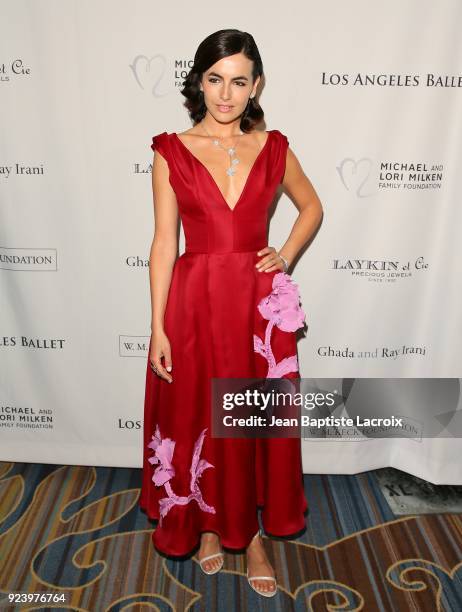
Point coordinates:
[[271, 260]]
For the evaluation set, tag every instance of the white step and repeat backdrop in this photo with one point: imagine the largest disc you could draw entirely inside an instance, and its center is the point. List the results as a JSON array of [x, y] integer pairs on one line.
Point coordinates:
[[370, 98]]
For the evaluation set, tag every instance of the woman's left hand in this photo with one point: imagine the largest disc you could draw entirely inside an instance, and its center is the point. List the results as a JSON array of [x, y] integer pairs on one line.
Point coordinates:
[[271, 260]]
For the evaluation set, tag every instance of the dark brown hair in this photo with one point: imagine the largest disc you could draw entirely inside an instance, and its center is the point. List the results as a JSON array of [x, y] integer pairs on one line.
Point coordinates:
[[215, 47]]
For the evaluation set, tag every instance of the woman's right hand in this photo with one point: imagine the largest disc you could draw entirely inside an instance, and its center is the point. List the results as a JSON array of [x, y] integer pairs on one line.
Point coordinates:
[[160, 347]]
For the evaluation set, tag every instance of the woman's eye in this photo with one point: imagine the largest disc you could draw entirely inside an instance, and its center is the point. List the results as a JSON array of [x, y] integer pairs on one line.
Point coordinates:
[[214, 80]]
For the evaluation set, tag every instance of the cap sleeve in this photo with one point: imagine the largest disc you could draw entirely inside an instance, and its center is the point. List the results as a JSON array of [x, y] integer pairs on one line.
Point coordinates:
[[284, 139], [160, 143], [284, 144]]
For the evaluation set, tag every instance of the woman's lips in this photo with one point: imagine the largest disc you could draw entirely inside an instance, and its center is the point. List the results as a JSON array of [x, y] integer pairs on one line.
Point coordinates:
[[223, 108]]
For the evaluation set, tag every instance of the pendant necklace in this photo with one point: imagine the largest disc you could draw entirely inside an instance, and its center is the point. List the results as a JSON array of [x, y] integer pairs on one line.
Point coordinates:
[[231, 152]]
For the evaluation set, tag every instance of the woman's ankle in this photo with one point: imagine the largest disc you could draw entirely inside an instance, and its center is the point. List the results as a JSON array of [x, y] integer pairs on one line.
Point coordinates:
[[209, 536]]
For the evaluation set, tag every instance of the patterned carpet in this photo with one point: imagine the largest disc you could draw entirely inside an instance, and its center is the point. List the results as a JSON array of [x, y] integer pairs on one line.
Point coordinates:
[[77, 532]]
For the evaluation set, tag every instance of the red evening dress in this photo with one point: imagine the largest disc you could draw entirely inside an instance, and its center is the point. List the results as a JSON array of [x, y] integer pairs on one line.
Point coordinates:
[[192, 482]]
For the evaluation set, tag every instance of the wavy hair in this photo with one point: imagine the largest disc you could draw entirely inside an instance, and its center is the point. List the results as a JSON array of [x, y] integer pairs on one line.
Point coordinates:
[[215, 47]]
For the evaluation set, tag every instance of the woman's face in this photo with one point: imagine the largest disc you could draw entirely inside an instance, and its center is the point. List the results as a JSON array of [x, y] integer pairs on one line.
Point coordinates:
[[227, 86]]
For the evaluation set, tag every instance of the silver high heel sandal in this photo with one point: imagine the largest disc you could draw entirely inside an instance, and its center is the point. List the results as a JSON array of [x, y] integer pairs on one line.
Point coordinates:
[[217, 569], [249, 579], [214, 571]]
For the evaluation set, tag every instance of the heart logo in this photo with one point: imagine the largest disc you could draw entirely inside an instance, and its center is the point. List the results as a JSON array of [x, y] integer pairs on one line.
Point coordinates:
[[354, 175], [149, 72]]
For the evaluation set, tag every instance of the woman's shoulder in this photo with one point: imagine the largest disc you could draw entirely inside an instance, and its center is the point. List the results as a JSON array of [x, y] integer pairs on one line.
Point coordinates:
[[160, 142], [281, 136], [264, 134], [161, 136]]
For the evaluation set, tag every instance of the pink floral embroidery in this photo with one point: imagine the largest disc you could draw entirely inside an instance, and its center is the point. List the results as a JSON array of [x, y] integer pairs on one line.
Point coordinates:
[[163, 453], [282, 308]]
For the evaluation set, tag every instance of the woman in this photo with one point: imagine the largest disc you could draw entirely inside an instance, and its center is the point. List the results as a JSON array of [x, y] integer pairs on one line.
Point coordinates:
[[210, 315]]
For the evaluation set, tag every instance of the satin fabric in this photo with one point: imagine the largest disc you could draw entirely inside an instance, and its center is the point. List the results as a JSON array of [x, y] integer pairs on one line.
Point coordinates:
[[210, 318]]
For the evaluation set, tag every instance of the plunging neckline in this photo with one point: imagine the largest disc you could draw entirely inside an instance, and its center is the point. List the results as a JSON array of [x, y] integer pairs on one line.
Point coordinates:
[[260, 153]]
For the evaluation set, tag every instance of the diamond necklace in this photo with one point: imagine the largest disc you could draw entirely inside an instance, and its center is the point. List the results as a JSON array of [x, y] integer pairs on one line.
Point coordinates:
[[231, 152]]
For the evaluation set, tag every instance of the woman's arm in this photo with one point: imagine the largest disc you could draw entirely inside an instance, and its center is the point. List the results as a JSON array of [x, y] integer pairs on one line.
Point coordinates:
[[299, 188], [305, 198], [165, 243]]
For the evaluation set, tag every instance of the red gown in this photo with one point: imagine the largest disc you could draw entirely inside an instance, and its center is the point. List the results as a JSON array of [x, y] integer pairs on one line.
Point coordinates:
[[211, 318]]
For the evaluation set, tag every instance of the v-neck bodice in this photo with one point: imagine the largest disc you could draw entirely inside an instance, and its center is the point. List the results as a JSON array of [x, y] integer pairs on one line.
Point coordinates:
[[249, 175], [210, 224]]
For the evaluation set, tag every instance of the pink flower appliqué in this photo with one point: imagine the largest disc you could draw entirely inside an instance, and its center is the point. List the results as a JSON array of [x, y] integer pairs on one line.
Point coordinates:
[[163, 454], [281, 308]]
